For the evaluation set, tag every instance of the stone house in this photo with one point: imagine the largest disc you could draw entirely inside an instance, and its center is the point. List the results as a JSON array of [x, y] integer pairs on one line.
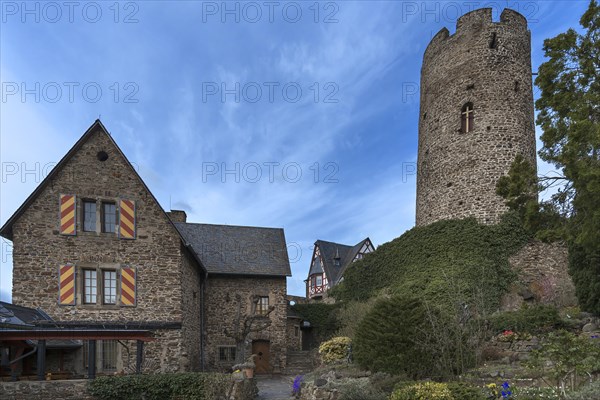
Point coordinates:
[[94, 250], [247, 269], [328, 263]]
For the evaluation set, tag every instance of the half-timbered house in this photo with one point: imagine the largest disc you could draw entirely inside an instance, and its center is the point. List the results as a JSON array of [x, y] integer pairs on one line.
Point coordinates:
[[328, 263]]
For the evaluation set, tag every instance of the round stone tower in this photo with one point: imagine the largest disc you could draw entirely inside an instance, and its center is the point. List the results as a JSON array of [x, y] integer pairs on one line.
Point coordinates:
[[476, 115]]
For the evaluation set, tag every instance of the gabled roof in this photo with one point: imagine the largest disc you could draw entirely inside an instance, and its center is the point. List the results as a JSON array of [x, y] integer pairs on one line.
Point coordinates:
[[351, 255], [330, 252], [238, 250], [97, 126]]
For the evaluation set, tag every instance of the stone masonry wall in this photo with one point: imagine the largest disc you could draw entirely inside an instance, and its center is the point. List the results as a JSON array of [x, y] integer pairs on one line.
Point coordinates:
[[244, 389], [487, 64], [294, 334], [43, 390], [543, 270], [191, 300], [221, 309], [39, 250]]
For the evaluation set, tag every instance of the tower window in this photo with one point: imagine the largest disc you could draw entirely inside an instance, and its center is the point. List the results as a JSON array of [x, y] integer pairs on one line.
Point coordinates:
[[467, 118], [493, 41]]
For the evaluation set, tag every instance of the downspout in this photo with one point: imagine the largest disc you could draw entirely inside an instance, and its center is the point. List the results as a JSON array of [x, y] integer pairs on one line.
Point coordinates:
[[202, 290], [24, 355]]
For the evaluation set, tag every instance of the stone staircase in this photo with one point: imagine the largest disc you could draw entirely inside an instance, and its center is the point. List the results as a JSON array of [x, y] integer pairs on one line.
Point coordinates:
[[299, 362]]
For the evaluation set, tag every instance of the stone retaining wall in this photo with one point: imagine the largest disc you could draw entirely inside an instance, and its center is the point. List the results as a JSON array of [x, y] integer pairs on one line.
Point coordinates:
[[43, 390], [245, 389]]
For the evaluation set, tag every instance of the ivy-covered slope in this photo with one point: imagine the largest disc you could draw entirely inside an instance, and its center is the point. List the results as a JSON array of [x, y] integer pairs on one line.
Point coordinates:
[[441, 262]]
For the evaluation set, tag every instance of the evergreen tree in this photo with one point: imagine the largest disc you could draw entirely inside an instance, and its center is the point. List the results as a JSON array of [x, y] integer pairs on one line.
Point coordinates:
[[569, 115]]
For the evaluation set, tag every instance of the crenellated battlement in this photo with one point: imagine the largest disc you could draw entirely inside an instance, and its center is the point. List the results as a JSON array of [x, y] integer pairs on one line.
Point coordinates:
[[513, 18], [476, 20]]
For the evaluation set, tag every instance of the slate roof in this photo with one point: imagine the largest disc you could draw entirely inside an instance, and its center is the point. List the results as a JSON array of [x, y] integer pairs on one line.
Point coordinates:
[[330, 252], [19, 317], [238, 250]]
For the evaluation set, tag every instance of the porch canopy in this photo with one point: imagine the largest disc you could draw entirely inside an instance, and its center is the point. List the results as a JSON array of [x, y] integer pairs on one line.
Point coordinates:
[[91, 334]]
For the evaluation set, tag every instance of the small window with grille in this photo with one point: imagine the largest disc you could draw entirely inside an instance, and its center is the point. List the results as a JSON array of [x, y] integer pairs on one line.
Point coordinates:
[[226, 353]]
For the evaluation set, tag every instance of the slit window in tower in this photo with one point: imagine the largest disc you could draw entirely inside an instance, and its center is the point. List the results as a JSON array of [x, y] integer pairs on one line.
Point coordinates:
[[493, 41], [467, 118]]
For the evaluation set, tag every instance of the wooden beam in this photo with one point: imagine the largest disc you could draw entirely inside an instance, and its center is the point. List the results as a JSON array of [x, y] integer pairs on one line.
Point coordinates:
[[75, 335]]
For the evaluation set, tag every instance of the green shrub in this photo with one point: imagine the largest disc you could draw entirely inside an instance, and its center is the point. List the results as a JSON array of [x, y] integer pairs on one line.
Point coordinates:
[[534, 320], [335, 349], [537, 393], [386, 339], [385, 382], [563, 356], [350, 314], [359, 389], [424, 391], [588, 392], [197, 386], [465, 391]]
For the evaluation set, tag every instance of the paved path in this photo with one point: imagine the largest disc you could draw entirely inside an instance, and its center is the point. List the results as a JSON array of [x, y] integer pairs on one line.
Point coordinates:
[[274, 388]]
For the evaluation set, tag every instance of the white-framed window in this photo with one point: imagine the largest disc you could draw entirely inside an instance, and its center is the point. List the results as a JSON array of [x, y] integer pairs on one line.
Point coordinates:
[[90, 286], [109, 287]]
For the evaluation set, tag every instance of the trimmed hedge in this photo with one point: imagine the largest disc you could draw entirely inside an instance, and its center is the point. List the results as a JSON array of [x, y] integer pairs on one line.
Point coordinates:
[[197, 386]]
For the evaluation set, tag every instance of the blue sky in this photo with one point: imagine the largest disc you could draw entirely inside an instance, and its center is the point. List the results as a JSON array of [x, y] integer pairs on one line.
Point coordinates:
[[193, 89]]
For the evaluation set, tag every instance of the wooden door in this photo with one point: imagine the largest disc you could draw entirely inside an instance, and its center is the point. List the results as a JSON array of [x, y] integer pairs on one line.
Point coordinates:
[[262, 350]]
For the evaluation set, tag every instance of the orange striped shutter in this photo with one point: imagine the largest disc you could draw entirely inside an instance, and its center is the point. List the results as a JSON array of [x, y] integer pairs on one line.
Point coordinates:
[[67, 214], [127, 219], [66, 285], [128, 286]]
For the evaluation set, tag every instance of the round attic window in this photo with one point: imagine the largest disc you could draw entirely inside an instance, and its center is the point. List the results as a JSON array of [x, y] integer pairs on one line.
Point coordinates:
[[102, 155]]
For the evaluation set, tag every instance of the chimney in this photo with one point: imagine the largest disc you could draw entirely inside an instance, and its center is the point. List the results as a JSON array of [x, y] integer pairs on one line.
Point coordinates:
[[177, 215]]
